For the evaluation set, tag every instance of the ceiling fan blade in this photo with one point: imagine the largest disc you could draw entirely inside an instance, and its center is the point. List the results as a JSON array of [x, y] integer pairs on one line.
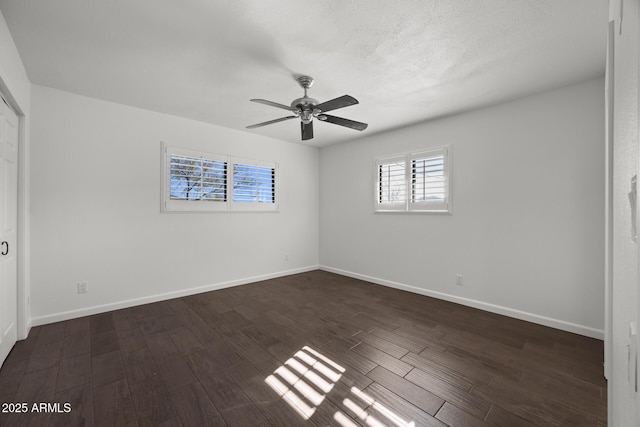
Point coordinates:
[[307, 130], [334, 104], [273, 104], [282, 119], [345, 122]]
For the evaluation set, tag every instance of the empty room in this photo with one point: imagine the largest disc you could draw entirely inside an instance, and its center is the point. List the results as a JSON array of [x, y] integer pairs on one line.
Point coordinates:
[[356, 213]]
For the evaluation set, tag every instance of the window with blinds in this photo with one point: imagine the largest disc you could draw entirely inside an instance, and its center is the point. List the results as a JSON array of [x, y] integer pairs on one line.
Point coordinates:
[[197, 181], [415, 182], [429, 183], [253, 184], [197, 178], [391, 185]]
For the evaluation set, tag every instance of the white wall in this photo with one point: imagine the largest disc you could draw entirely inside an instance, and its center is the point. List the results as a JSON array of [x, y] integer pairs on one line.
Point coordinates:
[[623, 407], [527, 224], [12, 72], [14, 84], [96, 211]]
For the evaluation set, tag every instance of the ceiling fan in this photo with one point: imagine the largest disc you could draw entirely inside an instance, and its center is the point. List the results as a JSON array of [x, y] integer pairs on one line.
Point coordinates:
[[307, 109]]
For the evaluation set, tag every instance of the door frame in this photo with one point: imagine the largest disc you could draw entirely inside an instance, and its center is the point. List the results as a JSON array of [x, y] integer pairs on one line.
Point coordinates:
[[22, 239], [608, 264]]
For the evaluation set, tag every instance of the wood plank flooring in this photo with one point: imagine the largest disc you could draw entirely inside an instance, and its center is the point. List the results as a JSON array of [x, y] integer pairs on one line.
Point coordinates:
[[309, 349]]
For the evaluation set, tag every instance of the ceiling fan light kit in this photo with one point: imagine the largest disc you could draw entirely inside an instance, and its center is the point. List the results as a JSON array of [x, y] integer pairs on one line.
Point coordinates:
[[306, 109]]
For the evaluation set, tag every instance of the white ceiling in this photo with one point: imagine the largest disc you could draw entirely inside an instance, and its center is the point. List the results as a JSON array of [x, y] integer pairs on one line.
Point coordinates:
[[405, 60]]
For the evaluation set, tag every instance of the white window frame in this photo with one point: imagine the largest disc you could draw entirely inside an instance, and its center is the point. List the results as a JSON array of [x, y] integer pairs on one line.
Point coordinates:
[[408, 205], [228, 205]]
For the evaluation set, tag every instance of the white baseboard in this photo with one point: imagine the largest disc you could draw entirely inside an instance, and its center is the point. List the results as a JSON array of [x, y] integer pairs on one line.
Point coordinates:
[[88, 311], [509, 312], [517, 314], [27, 330]]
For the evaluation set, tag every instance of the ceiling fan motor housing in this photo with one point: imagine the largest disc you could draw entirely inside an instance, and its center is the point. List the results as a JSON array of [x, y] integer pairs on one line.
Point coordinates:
[[305, 106]]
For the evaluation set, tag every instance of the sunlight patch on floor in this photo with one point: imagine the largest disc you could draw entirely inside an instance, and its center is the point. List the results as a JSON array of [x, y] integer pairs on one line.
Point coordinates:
[[370, 402], [304, 381]]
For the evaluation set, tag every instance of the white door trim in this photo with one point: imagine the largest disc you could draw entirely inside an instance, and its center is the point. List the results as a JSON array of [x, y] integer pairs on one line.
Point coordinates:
[[24, 289], [608, 262]]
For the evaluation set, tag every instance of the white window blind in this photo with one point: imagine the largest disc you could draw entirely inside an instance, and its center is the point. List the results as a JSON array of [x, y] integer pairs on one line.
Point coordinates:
[[254, 186], [199, 181], [417, 182], [197, 178], [429, 180], [391, 184]]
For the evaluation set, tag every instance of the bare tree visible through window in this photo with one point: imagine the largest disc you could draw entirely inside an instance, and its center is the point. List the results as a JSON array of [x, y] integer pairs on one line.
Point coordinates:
[[391, 182], [195, 178], [253, 184], [199, 181]]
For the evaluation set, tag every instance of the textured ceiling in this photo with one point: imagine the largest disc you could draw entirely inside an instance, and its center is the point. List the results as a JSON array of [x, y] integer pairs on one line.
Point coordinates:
[[405, 60]]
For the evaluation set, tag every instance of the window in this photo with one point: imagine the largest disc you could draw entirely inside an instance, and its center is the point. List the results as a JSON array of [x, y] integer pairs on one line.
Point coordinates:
[[392, 184], [428, 181], [197, 181], [416, 182], [197, 178], [254, 185]]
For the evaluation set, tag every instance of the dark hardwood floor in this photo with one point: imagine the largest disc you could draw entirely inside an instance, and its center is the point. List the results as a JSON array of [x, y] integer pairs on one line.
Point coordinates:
[[313, 348]]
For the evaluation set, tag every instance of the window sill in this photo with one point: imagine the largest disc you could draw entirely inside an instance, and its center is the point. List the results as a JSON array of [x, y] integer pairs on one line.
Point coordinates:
[[414, 212]]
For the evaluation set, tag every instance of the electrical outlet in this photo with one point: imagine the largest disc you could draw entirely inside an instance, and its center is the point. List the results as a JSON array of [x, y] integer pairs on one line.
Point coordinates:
[[83, 287], [459, 279]]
